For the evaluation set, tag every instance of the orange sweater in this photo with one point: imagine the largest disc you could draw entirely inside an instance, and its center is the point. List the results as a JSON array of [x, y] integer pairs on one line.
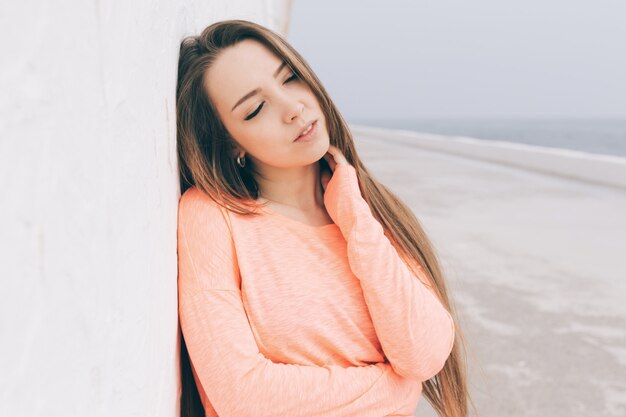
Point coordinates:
[[285, 319]]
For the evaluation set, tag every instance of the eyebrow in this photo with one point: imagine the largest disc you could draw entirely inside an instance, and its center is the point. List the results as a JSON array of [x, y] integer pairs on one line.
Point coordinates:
[[256, 90]]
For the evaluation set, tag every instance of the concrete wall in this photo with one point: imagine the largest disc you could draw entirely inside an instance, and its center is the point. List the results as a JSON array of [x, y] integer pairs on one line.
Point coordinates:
[[89, 183]]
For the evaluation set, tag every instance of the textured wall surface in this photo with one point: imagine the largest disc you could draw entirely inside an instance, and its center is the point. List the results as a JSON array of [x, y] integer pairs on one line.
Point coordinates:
[[89, 183]]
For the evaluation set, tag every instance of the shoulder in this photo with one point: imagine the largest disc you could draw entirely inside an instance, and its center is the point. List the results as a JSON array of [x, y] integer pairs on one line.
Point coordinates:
[[206, 255], [194, 195], [198, 209], [194, 200]]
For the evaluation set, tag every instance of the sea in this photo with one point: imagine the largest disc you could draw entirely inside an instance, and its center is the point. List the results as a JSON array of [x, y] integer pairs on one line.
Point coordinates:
[[596, 136]]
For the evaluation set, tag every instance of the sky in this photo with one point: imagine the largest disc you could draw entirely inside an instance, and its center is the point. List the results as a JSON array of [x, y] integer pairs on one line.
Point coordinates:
[[475, 59]]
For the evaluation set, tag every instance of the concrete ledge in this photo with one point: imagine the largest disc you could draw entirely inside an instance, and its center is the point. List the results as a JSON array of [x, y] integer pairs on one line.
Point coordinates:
[[601, 169]]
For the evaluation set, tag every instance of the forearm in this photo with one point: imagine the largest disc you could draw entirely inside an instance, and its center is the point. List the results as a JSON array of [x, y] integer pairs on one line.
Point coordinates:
[[415, 330], [240, 381]]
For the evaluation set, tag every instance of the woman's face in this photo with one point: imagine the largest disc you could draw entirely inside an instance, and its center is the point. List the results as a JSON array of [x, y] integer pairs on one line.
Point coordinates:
[[265, 123]]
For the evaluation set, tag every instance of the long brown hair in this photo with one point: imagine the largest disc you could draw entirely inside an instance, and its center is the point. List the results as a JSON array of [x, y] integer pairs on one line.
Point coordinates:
[[206, 160]]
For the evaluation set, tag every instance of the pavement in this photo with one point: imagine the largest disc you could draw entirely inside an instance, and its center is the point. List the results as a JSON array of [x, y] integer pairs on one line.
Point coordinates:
[[535, 266]]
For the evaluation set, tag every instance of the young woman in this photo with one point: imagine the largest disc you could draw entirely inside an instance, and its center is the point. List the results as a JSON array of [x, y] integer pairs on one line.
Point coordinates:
[[306, 287]]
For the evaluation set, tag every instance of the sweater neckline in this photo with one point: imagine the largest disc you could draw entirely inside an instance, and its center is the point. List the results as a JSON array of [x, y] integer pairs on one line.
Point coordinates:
[[285, 219]]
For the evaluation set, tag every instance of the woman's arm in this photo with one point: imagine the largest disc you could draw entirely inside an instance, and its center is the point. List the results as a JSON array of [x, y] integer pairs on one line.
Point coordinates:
[[415, 330], [235, 376]]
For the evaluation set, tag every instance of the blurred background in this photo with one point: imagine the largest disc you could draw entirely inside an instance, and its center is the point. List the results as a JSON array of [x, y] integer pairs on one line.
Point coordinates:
[[501, 124], [536, 72]]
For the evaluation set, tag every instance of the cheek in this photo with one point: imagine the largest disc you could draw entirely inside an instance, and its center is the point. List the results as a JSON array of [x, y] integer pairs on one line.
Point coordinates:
[[265, 141]]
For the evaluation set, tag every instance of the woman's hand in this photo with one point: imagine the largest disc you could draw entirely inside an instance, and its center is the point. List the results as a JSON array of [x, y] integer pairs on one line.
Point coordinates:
[[334, 156]]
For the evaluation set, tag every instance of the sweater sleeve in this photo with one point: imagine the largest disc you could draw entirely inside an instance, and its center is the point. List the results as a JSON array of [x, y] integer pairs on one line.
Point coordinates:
[[415, 330], [234, 375]]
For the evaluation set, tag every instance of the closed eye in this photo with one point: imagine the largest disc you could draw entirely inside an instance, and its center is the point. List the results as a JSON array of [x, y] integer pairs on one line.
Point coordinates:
[[293, 77], [258, 109]]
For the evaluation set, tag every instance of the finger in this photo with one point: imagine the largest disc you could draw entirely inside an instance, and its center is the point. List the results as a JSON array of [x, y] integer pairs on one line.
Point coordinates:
[[337, 154]]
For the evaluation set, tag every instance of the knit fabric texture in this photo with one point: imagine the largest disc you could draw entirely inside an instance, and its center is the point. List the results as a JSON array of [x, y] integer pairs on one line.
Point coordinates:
[[281, 318]]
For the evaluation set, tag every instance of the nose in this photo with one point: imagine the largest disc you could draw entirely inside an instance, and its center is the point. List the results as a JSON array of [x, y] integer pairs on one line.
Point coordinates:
[[294, 108]]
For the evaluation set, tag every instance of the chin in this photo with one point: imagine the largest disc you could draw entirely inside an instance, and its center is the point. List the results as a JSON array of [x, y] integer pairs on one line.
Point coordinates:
[[324, 144]]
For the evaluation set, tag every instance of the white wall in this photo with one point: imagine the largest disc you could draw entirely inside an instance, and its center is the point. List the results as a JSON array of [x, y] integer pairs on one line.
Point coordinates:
[[89, 183]]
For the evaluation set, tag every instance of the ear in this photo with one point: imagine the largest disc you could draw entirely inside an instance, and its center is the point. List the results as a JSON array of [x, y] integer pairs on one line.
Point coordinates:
[[235, 150], [234, 147]]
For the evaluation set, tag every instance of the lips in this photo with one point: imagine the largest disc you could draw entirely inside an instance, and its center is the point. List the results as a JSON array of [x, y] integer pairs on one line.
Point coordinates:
[[308, 125]]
